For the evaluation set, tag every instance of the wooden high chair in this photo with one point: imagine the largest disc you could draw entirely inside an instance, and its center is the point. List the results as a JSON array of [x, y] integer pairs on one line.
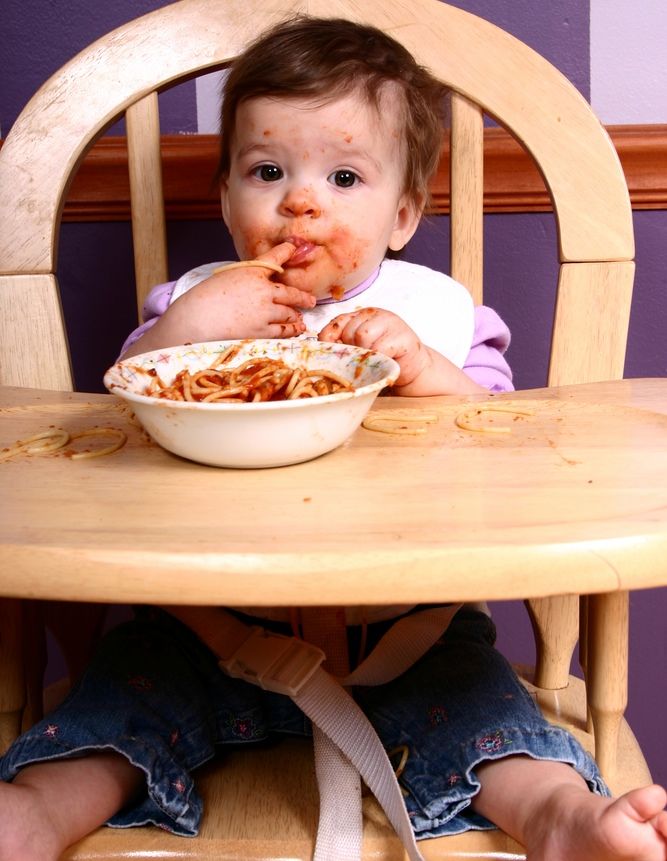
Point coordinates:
[[250, 810]]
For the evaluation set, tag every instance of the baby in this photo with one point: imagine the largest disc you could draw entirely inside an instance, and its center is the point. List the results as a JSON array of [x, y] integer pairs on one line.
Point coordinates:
[[330, 134]]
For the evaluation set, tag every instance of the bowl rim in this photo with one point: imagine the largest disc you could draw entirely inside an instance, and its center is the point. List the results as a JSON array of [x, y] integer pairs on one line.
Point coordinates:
[[388, 379]]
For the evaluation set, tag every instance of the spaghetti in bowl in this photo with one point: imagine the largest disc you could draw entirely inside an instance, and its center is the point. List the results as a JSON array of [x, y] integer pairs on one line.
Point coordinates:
[[217, 430]]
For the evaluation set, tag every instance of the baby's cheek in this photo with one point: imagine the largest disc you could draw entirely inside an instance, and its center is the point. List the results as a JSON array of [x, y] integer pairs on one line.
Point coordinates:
[[254, 246], [251, 240], [347, 251]]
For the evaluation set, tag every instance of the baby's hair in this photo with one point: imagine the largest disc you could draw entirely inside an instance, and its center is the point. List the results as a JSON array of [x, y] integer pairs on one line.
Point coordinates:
[[324, 59]]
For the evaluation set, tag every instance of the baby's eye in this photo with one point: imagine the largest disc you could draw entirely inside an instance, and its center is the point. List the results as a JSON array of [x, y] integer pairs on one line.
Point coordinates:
[[268, 172], [343, 178]]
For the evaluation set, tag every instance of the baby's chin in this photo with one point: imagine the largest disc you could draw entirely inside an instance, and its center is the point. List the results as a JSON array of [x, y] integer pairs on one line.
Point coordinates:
[[321, 288]]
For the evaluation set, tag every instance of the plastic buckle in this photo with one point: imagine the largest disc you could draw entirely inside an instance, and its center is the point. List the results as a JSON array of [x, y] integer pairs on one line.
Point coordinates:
[[274, 662]]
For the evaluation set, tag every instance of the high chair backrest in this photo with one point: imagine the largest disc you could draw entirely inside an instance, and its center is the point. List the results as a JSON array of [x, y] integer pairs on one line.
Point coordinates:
[[489, 71]]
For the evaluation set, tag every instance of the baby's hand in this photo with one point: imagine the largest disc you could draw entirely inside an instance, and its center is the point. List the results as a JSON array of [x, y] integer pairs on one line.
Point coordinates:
[[423, 371], [377, 329], [244, 303]]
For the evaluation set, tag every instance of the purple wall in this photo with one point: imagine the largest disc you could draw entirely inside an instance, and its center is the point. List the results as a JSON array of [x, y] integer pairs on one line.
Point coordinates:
[[95, 266]]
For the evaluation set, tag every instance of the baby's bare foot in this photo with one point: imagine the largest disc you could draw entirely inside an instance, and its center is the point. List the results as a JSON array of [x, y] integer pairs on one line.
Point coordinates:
[[25, 832], [578, 826]]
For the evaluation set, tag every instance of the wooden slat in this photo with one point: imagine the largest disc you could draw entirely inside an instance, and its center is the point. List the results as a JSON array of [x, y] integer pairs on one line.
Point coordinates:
[[34, 344], [149, 232], [467, 196], [582, 352]]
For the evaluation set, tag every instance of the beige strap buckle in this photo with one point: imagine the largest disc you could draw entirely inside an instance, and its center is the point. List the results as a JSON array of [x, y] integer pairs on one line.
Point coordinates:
[[274, 662]]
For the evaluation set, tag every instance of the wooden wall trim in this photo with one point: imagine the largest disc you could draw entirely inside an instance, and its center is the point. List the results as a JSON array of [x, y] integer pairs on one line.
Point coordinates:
[[100, 190]]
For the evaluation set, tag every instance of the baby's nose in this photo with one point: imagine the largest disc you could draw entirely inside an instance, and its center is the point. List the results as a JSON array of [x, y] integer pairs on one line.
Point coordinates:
[[301, 203]]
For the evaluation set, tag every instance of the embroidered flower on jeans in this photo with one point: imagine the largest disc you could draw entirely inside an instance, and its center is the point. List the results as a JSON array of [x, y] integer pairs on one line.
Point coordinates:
[[492, 743], [51, 730], [437, 715], [453, 779], [244, 728], [178, 785]]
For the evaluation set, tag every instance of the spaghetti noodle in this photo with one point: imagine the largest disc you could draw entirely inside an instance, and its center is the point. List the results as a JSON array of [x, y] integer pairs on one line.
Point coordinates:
[[246, 264], [466, 420], [55, 439], [121, 439], [399, 422], [257, 379]]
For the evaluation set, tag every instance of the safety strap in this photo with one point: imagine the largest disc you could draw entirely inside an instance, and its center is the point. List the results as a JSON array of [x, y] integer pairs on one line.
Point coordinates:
[[346, 744], [340, 822]]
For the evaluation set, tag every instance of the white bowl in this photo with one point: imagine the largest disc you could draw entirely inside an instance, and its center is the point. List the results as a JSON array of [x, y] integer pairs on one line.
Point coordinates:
[[271, 433]]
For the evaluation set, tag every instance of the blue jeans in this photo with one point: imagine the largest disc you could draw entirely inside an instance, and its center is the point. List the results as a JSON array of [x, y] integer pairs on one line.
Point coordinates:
[[155, 694]]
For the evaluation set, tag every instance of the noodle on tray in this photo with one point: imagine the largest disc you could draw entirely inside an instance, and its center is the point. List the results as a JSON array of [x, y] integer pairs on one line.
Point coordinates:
[[56, 439]]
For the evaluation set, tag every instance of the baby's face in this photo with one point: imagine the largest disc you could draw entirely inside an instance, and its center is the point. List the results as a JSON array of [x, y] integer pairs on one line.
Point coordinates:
[[327, 178]]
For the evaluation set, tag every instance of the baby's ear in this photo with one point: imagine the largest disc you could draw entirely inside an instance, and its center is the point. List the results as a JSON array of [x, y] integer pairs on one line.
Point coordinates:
[[408, 216], [224, 200]]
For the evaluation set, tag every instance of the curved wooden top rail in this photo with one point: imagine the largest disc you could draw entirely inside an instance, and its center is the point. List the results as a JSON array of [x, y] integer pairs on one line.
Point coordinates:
[[507, 78]]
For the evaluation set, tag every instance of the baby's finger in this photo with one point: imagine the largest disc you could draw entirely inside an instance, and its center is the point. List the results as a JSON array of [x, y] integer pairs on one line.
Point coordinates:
[[386, 343], [284, 314], [286, 329], [364, 328], [292, 297], [369, 323], [333, 331], [278, 254]]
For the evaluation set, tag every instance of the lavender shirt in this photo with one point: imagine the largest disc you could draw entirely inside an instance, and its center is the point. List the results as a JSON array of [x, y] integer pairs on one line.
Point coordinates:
[[485, 364]]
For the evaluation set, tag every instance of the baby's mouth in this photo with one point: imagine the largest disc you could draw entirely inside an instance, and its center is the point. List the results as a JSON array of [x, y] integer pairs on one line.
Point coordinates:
[[304, 251]]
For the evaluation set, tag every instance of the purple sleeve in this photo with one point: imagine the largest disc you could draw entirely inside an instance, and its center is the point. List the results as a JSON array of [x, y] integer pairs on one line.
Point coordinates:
[[155, 305], [486, 364]]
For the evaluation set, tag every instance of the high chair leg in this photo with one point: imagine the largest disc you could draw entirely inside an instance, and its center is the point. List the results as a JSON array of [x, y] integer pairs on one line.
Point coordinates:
[[555, 624], [583, 651], [607, 676]]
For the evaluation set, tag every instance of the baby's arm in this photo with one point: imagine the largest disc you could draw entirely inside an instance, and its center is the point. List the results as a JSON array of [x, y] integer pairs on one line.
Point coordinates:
[[239, 303], [424, 371]]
